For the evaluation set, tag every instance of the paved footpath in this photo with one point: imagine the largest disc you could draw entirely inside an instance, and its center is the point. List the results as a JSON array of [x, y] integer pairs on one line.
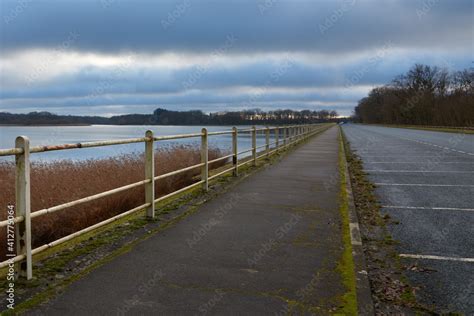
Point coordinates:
[[269, 245]]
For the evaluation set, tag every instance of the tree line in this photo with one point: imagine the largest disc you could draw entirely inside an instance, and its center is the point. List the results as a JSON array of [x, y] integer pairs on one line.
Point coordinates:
[[166, 117], [425, 95]]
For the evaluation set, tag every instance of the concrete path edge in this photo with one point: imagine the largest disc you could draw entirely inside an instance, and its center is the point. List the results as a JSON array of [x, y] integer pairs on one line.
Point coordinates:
[[364, 295]]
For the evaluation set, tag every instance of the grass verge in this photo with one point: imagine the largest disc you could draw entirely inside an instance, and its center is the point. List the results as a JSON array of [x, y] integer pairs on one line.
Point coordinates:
[[346, 265]]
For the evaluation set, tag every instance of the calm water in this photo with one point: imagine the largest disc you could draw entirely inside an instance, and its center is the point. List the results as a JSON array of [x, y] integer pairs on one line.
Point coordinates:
[[54, 135]]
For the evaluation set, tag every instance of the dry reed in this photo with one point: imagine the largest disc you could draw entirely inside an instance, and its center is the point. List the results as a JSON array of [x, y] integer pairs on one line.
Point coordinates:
[[54, 183]]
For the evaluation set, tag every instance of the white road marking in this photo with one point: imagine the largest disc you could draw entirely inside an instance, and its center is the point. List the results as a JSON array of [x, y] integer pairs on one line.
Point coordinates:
[[420, 171], [394, 156], [431, 257], [427, 185], [428, 208], [434, 145], [421, 162]]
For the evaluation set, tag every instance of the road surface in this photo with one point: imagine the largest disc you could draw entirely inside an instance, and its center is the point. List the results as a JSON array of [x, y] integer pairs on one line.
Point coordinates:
[[425, 182]]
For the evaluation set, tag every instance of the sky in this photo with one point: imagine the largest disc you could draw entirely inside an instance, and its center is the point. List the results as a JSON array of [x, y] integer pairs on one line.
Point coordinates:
[[112, 57]]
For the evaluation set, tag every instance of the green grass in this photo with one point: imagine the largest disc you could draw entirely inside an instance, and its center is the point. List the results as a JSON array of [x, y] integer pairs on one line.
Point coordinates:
[[346, 265]]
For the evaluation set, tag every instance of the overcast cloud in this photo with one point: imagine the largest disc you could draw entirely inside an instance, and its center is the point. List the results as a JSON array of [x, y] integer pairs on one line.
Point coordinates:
[[112, 57]]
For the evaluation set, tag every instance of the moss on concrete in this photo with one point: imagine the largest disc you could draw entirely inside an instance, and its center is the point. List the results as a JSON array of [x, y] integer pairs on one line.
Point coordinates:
[[346, 265]]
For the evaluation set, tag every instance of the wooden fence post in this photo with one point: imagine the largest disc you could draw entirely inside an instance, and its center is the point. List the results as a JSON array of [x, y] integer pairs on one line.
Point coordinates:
[[235, 158], [23, 208], [254, 145], [267, 141], [150, 174], [204, 160], [277, 132]]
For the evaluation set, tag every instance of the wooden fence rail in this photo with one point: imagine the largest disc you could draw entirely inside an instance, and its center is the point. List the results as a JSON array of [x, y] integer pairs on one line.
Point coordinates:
[[284, 136]]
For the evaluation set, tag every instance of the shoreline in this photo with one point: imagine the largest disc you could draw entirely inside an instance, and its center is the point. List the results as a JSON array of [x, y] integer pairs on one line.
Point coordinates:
[[45, 125]]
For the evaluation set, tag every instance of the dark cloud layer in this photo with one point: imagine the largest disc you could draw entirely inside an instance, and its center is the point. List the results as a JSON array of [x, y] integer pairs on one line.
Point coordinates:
[[335, 50], [191, 25]]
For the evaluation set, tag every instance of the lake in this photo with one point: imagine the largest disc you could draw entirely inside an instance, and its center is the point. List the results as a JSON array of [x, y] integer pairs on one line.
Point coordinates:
[[54, 135]]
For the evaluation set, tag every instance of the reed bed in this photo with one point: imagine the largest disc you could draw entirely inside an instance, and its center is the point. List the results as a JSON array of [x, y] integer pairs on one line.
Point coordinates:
[[57, 182]]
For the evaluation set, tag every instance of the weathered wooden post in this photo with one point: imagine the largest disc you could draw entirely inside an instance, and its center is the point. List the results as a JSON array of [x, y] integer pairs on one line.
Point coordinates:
[[23, 208], [277, 141], [204, 160], [235, 158], [150, 174], [254, 145], [284, 136], [267, 141]]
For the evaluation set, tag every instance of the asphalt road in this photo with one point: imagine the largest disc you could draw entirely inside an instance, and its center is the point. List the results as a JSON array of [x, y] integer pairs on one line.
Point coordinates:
[[271, 243], [425, 181]]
